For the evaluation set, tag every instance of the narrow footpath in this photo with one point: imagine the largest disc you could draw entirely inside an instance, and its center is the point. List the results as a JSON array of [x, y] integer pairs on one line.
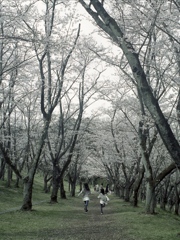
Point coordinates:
[[95, 226]]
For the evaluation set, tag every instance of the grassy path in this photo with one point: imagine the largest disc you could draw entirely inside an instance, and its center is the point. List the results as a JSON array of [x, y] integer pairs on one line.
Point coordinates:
[[67, 220], [63, 221], [94, 225]]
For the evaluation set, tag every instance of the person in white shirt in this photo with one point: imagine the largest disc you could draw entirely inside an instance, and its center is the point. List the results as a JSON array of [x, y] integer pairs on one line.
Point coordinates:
[[86, 192], [103, 200]]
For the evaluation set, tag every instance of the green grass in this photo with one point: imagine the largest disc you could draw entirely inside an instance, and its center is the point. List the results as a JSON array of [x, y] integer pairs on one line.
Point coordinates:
[[161, 226], [66, 220], [12, 197]]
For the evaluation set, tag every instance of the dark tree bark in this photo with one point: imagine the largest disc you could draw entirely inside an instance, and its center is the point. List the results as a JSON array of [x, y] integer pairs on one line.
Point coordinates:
[[47, 180], [177, 194], [72, 184], [27, 193], [137, 185], [62, 190], [29, 180], [55, 182], [2, 169]]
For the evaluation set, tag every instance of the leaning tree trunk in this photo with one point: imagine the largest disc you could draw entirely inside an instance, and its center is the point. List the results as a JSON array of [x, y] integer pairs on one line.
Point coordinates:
[[137, 185], [128, 188], [164, 194], [28, 181], [109, 25]]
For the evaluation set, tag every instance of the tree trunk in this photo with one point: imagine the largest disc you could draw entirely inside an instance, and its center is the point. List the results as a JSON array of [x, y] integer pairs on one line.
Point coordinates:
[[27, 192], [164, 194], [73, 189], [80, 186], [69, 186], [163, 199], [49, 186], [28, 181], [127, 194], [128, 189], [47, 179], [55, 183], [150, 187], [116, 190], [55, 188], [136, 186], [2, 169], [9, 176], [176, 206], [150, 197], [121, 191], [62, 190], [17, 182], [177, 194], [45, 183]]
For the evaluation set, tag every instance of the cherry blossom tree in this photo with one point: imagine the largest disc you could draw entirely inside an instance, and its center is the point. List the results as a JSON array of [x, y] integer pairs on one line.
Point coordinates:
[[111, 27], [145, 59]]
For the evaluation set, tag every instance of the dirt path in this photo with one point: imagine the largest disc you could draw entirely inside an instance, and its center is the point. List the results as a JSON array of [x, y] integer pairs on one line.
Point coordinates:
[[95, 225]]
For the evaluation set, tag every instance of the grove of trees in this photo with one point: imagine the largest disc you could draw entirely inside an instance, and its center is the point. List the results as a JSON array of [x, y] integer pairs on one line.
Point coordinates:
[[90, 89]]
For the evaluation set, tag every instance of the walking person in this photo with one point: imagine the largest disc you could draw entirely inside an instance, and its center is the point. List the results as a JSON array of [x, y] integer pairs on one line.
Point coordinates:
[[103, 200], [86, 192]]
